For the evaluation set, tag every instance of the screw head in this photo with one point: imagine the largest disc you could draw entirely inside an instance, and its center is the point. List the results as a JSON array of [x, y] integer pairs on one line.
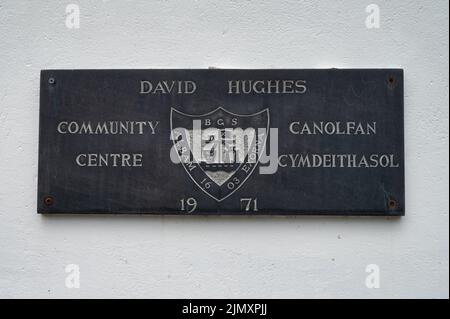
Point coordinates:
[[48, 200], [391, 81], [51, 80], [392, 204]]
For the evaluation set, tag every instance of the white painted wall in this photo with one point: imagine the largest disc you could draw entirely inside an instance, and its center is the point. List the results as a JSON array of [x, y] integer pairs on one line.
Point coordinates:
[[131, 256]]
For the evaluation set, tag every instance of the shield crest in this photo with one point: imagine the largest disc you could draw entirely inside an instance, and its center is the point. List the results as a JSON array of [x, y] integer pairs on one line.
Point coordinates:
[[220, 149]]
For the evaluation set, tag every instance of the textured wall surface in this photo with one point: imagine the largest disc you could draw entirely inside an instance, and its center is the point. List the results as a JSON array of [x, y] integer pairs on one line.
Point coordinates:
[[132, 256]]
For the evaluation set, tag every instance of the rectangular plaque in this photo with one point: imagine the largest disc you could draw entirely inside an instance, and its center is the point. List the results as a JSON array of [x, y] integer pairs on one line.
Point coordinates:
[[216, 141]]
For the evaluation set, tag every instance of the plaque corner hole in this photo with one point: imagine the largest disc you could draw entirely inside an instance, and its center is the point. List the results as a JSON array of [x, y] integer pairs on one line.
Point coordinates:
[[391, 81], [392, 204], [48, 200]]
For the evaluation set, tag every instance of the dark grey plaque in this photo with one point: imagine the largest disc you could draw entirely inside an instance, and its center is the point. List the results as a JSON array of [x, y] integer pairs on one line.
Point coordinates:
[[278, 142]]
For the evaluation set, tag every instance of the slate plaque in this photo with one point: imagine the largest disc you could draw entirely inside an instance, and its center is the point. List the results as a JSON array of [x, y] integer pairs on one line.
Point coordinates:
[[216, 141]]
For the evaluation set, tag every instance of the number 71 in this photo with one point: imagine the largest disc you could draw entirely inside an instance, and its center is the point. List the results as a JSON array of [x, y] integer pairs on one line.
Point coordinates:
[[249, 204]]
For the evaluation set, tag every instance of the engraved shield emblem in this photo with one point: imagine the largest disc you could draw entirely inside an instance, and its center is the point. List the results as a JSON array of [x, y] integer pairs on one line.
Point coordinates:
[[219, 150]]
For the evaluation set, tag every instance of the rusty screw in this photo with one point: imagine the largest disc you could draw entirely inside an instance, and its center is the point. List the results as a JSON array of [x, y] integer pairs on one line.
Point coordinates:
[[392, 204], [48, 200], [391, 81]]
